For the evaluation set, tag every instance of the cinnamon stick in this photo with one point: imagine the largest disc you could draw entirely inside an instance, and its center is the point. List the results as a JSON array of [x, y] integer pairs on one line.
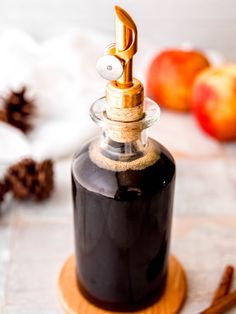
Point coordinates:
[[224, 284], [222, 305]]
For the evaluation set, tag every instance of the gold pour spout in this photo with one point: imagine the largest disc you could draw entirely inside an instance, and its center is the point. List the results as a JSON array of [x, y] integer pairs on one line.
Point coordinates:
[[126, 44], [124, 94]]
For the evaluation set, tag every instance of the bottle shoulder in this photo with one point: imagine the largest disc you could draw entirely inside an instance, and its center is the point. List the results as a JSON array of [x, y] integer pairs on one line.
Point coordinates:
[[106, 182], [164, 152]]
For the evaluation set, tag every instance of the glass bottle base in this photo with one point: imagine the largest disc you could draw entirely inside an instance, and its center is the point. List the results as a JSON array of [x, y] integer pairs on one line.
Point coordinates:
[[131, 306]]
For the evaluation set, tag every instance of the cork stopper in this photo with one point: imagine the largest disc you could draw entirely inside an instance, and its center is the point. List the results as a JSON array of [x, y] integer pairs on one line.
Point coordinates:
[[125, 131]]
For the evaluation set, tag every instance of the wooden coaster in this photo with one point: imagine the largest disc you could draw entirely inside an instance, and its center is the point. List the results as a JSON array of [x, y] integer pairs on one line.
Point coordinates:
[[171, 302]]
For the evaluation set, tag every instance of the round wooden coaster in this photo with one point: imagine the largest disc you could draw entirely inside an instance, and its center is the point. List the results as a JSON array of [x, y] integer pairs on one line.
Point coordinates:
[[171, 302]]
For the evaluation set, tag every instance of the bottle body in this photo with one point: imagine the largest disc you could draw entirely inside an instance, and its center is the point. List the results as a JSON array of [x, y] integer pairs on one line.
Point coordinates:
[[122, 222]]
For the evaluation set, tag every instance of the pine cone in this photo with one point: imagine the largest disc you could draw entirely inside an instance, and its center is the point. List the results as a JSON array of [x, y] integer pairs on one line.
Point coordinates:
[[44, 183], [29, 179], [17, 110]]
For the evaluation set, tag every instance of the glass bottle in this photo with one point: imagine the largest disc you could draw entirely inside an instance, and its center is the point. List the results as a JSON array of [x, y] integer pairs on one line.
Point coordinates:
[[123, 187]]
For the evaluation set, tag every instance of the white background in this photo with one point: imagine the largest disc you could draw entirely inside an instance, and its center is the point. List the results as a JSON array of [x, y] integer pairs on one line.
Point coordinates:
[[206, 23]]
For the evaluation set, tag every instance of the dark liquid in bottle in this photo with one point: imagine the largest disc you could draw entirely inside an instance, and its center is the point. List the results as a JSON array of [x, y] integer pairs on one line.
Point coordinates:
[[122, 226]]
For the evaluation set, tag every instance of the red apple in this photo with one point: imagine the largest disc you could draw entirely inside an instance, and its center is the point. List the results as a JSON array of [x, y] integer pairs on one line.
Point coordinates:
[[214, 102], [171, 75]]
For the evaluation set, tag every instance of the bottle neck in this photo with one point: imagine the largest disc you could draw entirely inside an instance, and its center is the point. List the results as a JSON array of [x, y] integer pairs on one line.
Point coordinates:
[[123, 151], [124, 141]]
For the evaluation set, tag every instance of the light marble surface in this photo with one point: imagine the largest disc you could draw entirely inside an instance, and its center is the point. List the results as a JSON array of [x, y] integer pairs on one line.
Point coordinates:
[[36, 238]]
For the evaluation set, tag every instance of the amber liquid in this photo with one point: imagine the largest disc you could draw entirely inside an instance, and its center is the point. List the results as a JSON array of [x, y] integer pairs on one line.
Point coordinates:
[[122, 224]]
